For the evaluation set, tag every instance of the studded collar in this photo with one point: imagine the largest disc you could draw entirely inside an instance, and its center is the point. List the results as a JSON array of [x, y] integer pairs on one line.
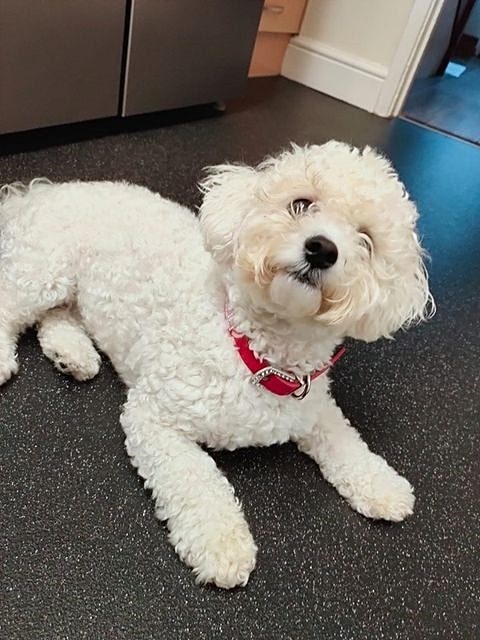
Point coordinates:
[[267, 375]]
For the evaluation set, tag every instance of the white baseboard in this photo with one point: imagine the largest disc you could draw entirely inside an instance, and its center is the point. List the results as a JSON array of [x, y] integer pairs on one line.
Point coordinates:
[[349, 78]]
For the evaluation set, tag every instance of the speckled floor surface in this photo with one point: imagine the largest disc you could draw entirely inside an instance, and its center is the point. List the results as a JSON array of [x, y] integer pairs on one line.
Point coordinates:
[[82, 555]]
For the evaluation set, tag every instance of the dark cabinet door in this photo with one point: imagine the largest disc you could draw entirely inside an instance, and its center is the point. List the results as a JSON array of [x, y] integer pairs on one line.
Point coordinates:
[[186, 52], [60, 61]]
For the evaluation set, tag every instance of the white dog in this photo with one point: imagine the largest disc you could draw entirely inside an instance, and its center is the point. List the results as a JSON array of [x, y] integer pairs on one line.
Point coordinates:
[[308, 248]]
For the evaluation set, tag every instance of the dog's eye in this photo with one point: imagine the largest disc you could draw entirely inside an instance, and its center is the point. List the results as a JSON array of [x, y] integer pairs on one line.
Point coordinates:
[[366, 239], [299, 206]]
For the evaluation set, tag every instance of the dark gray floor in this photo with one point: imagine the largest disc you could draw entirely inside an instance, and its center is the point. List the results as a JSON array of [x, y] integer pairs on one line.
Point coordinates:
[[83, 556]]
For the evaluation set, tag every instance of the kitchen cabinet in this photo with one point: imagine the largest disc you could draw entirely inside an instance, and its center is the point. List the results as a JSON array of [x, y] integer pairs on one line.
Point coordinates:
[[183, 53], [67, 61], [60, 61]]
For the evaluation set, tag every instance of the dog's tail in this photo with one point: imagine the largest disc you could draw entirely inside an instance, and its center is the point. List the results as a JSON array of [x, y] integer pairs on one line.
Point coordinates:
[[20, 189], [12, 194]]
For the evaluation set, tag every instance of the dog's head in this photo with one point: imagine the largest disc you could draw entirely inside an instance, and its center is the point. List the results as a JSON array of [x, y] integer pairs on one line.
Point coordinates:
[[322, 232]]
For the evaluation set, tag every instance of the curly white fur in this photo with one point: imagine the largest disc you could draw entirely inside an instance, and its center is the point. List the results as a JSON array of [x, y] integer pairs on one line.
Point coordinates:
[[121, 265]]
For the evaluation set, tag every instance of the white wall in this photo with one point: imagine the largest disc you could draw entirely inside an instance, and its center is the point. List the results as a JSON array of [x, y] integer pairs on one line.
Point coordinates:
[[351, 49], [370, 29]]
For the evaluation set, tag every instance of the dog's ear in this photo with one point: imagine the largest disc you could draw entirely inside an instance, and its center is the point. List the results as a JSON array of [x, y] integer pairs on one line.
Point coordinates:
[[401, 302], [228, 195]]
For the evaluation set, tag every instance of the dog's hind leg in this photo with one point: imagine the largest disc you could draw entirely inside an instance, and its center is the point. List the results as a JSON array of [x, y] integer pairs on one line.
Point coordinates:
[[65, 342], [206, 523], [25, 294], [9, 330]]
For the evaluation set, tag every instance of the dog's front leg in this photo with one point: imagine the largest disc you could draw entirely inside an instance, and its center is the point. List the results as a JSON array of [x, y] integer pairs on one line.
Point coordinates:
[[363, 478], [206, 523]]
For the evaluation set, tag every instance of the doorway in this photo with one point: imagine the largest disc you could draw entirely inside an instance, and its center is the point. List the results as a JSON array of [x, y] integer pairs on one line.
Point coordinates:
[[445, 94]]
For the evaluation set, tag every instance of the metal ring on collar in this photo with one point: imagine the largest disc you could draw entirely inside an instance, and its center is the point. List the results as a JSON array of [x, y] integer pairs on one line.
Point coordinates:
[[306, 381]]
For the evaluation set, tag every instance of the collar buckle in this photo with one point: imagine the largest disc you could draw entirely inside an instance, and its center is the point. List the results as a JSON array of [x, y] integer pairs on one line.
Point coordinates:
[[306, 383]]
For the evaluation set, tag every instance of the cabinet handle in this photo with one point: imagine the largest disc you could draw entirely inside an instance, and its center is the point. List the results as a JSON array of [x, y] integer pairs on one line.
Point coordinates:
[[277, 9]]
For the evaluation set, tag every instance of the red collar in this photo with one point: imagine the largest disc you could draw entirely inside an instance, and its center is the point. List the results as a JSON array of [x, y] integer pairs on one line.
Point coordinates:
[[277, 381]]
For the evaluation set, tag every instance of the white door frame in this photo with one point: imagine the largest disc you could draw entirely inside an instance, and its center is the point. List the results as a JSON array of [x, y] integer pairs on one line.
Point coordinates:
[[421, 23]]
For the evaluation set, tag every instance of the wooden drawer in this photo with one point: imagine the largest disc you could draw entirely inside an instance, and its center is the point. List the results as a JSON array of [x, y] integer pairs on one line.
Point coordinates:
[[282, 16], [268, 54]]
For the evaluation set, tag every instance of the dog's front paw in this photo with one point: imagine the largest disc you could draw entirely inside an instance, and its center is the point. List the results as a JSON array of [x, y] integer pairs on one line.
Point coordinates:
[[225, 557], [227, 561], [8, 368], [385, 495]]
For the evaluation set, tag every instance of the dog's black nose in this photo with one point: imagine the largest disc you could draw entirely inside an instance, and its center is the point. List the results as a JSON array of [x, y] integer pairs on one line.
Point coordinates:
[[320, 252]]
